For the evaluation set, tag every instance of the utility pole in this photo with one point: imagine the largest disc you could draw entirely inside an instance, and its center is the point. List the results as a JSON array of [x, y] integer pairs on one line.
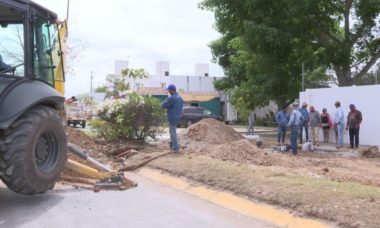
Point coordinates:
[[92, 77], [67, 11], [303, 77]]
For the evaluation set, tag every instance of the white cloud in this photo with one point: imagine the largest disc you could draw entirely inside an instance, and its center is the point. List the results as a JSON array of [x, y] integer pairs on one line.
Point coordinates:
[[145, 31]]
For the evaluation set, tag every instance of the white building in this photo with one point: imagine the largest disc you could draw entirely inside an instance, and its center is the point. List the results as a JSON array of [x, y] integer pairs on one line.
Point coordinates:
[[200, 84], [120, 65], [162, 78], [365, 99]]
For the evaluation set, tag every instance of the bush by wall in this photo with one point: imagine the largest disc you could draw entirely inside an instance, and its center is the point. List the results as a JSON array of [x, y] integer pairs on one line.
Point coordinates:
[[133, 117]]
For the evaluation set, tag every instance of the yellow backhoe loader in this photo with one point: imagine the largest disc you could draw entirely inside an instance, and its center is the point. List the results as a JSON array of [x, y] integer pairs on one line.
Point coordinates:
[[33, 139]]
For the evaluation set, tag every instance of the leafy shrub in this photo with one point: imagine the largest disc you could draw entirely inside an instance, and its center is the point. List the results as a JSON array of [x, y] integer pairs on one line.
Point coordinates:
[[133, 117]]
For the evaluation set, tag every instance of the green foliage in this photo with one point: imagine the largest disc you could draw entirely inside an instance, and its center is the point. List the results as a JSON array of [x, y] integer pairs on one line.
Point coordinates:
[[265, 42], [133, 117], [101, 89], [117, 85]]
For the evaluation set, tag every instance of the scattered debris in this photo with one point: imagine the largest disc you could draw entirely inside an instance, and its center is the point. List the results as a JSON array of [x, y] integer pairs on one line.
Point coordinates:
[[372, 152], [143, 163], [325, 169]]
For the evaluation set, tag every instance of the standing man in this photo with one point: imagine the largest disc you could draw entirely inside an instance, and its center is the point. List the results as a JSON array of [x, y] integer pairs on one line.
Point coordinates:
[[251, 121], [305, 122], [282, 120], [173, 105], [354, 119], [294, 124], [339, 123], [315, 124]]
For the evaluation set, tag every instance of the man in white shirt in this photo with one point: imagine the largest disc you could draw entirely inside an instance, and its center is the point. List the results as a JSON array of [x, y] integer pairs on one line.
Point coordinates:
[[339, 123]]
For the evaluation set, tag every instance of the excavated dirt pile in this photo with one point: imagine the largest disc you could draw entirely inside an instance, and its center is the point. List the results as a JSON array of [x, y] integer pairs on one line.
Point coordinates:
[[205, 133], [212, 138], [241, 151]]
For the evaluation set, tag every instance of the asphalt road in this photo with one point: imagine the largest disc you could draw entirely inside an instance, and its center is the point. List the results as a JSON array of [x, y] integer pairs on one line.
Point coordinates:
[[151, 204]]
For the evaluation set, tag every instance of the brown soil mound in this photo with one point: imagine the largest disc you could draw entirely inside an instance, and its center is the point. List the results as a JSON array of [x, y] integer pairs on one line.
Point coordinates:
[[241, 151], [207, 132], [93, 148]]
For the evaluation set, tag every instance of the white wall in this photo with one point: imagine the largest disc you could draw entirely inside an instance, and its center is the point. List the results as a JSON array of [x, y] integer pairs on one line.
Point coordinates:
[[365, 98], [162, 67], [202, 69]]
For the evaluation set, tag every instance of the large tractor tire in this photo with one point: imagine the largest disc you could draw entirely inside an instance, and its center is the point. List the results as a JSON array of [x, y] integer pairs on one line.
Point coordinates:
[[33, 151]]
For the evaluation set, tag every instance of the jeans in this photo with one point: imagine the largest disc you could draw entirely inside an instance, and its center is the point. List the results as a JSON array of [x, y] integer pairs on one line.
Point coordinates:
[[293, 138], [340, 128], [173, 137], [250, 128], [306, 126], [354, 136], [281, 134]]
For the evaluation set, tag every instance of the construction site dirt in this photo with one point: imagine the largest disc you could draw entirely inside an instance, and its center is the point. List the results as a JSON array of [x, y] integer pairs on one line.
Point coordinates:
[[212, 141]]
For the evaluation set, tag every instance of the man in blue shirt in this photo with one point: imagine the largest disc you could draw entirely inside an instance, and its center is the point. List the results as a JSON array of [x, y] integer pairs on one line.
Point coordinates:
[[173, 105], [282, 120], [304, 124], [294, 124], [339, 123]]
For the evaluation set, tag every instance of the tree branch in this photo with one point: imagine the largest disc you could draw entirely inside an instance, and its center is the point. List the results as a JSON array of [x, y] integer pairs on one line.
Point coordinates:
[[325, 33], [336, 7], [368, 66], [358, 33], [347, 7]]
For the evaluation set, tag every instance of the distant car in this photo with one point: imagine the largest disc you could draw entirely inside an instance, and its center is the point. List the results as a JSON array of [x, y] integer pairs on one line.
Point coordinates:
[[191, 115]]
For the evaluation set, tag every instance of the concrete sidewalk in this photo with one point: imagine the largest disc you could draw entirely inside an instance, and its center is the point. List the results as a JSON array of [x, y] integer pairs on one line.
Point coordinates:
[[151, 204]]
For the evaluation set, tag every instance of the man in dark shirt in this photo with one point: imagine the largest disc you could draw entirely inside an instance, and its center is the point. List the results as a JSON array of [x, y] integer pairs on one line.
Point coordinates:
[[354, 119], [173, 105]]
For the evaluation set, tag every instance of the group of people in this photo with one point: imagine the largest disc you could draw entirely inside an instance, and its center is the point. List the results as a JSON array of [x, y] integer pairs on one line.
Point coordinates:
[[302, 119]]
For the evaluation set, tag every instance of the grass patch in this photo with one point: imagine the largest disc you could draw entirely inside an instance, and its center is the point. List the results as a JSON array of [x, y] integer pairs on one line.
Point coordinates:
[[349, 204]]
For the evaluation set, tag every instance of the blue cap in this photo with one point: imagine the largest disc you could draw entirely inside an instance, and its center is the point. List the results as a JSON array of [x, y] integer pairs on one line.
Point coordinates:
[[352, 106], [171, 87]]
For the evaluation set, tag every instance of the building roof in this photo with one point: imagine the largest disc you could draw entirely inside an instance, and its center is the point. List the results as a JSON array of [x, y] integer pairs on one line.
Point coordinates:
[[198, 97], [154, 91], [186, 96]]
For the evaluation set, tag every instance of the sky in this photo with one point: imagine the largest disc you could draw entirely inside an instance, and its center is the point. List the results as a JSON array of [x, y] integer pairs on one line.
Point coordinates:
[[140, 31]]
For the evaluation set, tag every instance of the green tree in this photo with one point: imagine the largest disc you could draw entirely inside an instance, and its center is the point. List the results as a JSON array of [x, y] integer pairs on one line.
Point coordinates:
[[101, 89], [117, 85], [265, 42], [135, 74]]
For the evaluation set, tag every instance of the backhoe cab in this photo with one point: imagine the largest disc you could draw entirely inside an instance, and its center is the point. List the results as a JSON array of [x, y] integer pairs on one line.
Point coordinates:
[[33, 141]]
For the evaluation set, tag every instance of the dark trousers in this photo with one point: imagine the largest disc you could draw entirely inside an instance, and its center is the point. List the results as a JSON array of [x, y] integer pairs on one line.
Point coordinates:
[[306, 127], [354, 136]]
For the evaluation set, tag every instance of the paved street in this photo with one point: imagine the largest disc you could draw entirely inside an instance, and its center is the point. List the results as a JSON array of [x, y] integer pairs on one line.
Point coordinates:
[[150, 205]]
